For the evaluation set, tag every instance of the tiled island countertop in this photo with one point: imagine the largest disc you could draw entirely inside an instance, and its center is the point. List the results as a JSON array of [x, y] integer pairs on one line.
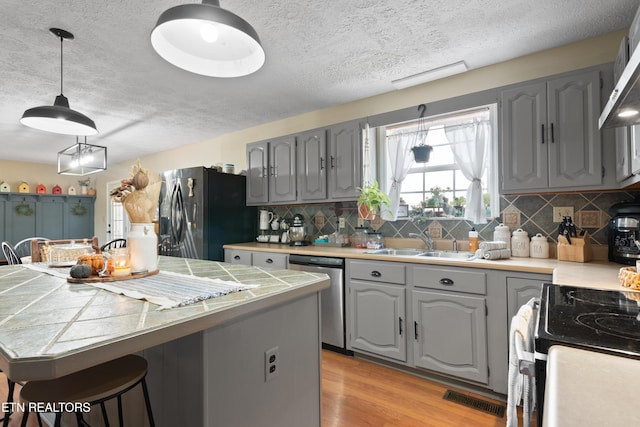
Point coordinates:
[[49, 327]]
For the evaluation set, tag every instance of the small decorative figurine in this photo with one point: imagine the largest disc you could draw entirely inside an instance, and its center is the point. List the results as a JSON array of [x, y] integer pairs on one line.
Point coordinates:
[[41, 189], [23, 187], [72, 190], [5, 187], [56, 189]]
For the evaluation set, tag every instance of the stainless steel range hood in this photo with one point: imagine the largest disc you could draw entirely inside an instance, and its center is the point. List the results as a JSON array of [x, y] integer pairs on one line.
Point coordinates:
[[624, 98]]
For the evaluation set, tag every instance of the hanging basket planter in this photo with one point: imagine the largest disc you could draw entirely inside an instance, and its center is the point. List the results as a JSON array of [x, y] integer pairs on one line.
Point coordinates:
[[365, 212], [421, 153]]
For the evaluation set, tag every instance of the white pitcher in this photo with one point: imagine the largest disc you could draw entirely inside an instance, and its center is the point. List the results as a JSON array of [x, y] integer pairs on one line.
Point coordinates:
[[265, 219]]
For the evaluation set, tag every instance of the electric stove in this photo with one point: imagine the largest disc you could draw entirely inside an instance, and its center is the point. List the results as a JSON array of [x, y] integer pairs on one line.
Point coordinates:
[[592, 319]]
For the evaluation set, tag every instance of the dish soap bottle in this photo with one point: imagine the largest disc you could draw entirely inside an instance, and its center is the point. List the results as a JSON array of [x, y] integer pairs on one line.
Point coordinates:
[[473, 240]]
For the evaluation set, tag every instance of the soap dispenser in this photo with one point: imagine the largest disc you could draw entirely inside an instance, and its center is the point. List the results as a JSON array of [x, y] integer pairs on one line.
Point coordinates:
[[473, 240]]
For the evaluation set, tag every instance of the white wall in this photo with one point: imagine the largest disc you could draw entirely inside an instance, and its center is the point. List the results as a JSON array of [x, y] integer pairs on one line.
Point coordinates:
[[230, 148]]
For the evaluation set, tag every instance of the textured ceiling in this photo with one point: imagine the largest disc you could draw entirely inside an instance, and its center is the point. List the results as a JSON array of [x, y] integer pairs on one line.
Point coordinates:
[[319, 54]]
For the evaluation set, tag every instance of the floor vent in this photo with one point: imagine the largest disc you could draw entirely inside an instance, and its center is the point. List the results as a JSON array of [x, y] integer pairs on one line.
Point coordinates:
[[475, 403]]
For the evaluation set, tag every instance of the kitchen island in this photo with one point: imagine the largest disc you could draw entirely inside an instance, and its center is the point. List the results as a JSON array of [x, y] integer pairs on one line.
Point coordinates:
[[206, 360]]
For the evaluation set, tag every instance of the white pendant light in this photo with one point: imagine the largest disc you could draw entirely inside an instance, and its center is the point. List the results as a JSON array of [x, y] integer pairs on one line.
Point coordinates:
[[208, 40], [59, 118], [82, 159]]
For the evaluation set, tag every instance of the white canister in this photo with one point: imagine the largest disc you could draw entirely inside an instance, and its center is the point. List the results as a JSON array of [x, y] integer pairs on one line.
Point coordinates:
[[502, 234], [520, 243], [539, 247], [143, 247]]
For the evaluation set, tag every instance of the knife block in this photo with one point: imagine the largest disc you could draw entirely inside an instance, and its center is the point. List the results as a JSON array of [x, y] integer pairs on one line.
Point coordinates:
[[578, 251]]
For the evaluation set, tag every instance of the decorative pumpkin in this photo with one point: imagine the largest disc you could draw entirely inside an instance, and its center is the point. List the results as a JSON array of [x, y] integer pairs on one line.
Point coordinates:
[[80, 271], [95, 261]]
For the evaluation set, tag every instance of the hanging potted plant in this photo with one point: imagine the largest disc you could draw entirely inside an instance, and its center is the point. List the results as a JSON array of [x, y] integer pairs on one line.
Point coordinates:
[[421, 151], [371, 201]]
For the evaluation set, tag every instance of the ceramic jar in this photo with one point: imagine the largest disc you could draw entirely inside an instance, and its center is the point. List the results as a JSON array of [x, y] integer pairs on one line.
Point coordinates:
[[539, 247], [520, 243], [502, 234], [142, 243]]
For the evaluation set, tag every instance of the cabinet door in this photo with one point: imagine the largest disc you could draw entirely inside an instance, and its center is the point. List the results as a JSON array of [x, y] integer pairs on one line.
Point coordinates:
[[575, 156], [50, 217], [282, 165], [312, 165], [635, 149], [345, 161], [79, 218], [450, 334], [524, 145], [623, 153], [257, 173], [519, 292], [20, 218], [377, 315]]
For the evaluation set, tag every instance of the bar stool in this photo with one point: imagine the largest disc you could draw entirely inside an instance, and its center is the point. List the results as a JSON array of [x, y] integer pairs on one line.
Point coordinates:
[[93, 385]]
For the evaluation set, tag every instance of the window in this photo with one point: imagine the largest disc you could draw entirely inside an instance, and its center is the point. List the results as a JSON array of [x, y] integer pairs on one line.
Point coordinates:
[[117, 219], [438, 188]]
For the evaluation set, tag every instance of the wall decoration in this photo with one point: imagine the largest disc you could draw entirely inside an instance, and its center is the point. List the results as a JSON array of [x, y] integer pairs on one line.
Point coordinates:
[[5, 187], [23, 187], [41, 189], [79, 210], [72, 190], [56, 189], [589, 219], [24, 209]]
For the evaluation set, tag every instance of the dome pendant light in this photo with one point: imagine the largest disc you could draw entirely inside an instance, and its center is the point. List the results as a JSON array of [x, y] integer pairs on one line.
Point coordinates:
[[59, 118], [208, 40]]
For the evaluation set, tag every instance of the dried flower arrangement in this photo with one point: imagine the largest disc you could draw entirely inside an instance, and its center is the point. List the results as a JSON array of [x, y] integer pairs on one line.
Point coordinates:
[[139, 194]]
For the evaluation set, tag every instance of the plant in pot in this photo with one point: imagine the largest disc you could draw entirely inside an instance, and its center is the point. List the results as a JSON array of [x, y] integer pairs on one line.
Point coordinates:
[[458, 205], [371, 201], [421, 153]]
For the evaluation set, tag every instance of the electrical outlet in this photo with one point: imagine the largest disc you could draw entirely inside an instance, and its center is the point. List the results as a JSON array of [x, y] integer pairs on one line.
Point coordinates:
[[271, 364], [341, 223], [560, 211]]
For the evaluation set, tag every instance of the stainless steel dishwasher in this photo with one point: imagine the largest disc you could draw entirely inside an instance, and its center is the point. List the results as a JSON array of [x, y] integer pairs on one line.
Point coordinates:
[[331, 300]]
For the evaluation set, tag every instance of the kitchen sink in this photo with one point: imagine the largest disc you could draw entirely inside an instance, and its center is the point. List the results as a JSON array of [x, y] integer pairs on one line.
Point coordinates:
[[447, 254], [397, 252]]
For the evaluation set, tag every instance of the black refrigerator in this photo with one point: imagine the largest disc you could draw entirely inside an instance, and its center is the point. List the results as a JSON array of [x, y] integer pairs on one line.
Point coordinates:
[[201, 210]]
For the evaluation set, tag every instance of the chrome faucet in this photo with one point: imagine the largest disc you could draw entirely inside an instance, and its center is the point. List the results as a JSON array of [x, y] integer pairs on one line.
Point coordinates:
[[428, 241], [454, 245]]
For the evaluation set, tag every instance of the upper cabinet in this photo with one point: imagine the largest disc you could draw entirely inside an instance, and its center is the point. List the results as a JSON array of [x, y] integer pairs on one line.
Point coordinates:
[[314, 166], [549, 134], [271, 171]]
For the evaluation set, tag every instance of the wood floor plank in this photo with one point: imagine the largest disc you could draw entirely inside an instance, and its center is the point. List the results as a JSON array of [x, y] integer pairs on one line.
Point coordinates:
[[356, 392]]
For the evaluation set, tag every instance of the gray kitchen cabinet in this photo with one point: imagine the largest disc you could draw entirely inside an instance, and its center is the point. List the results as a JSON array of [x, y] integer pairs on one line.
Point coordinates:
[[450, 321], [271, 171], [312, 165], [376, 308], [21, 218], [623, 153], [345, 161], [550, 136], [50, 217], [78, 217], [634, 147], [267, 260], [519, 291]]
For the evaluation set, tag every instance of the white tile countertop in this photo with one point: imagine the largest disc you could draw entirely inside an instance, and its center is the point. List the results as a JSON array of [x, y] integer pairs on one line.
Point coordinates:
[[595, 274]]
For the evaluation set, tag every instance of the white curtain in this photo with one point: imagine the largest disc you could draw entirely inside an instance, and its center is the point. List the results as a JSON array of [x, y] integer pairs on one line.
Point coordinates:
[[470, 143], [400, 158]]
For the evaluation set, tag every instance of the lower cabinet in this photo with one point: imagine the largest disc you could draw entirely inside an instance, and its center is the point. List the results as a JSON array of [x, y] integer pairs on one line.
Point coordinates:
[[377, 316], [268, 260], [450, 334], [519, 292]]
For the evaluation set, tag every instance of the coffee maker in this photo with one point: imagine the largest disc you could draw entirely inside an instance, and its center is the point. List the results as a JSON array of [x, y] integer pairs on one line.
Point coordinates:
[[624, 231]]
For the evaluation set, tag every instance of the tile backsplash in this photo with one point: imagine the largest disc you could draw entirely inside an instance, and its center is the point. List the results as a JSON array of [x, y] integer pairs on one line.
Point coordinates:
[[531, 212]]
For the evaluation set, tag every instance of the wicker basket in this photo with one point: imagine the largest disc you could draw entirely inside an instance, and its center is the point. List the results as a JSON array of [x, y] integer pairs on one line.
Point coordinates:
[[629, 278]]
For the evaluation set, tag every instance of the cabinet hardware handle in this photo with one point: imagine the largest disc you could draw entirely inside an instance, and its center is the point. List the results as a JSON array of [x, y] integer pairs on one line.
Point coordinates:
[[321, 163], [272, 170], [264, 171], [236, 257], [415, 330], [542, 137], [446, 282], [376, 273], [553, 139], [400, 325], [275, 171], [333, 163], [269, 261]]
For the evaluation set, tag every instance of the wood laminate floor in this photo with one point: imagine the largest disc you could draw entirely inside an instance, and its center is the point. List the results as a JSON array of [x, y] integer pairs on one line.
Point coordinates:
[[358, 393]]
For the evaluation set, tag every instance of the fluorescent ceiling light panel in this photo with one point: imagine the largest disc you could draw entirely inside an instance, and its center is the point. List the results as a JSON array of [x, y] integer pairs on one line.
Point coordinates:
[[430, 75]]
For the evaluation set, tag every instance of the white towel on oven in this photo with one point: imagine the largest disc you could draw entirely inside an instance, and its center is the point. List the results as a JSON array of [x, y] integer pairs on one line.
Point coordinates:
[[521, 386]]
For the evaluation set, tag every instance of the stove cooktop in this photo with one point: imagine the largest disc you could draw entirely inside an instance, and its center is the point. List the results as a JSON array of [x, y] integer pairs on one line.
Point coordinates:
[[595, 319]]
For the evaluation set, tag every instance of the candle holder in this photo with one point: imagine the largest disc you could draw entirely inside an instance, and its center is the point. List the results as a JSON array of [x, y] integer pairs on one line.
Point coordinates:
[[121, 262]]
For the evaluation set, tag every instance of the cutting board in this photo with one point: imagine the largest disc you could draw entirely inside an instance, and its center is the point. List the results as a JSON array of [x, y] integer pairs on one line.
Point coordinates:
[[98, 279]]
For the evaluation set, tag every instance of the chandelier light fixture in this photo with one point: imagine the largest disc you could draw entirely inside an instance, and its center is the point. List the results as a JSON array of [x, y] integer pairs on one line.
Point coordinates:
[[59, 118], [205, 39], [82, 159]]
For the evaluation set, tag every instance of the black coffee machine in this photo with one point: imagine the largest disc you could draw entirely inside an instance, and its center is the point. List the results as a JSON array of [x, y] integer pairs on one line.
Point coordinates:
[[624, 231]]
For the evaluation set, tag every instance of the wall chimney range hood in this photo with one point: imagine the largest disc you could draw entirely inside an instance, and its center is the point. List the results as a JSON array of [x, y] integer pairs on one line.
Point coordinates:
[[623, 106]]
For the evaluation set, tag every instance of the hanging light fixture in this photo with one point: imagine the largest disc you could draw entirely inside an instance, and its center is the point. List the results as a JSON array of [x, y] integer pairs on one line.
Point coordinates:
[[59, 118], [82, 159], [208, 40]]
